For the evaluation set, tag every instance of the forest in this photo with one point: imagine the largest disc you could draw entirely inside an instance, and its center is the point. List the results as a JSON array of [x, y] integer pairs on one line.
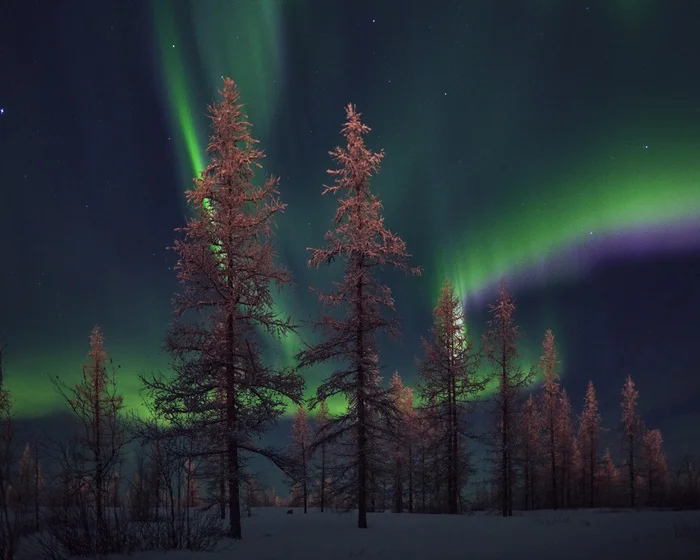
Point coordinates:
[[179, 477]]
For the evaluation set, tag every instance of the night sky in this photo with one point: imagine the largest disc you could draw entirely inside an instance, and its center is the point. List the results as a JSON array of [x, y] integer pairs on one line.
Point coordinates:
[[555, 143]]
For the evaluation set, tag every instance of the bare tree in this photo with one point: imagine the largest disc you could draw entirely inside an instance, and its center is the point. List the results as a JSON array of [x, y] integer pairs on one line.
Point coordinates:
[[567, 447], [96, 406], [28, 484], [630, 427], [449, 386], [300, 447], [227, 269], [531, 424], [322, 423], [550, 407], [589, 433], [577, 477], [609, 475], [410, 437], [655, 463], [500, 343], [9, 524], [363, 242], [401, 451]]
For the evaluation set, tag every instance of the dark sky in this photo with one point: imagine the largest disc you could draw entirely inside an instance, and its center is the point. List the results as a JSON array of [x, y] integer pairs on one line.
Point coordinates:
[[554, 143]]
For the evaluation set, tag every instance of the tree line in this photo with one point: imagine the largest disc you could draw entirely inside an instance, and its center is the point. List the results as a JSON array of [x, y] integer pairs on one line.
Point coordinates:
[[390, 447]]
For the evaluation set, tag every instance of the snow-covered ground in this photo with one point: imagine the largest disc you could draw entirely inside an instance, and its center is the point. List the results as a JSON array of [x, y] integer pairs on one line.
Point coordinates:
[[271, 534]]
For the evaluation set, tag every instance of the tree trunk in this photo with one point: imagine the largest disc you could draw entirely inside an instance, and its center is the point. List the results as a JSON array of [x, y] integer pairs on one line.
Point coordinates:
[[453, 489], [234, 505], [36, 486], [305, 488], [591, 474], [505, 475], [97, 428], [323, 476], [553, 458], [361, 467], [222, 486], [526, 476], [398, 489], [410, 478], [566, 480], [631, 469], [361, 428], [510, 486], [423, 481]]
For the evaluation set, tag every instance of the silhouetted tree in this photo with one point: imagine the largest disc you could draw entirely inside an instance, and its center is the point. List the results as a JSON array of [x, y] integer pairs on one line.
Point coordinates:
[[550, 410], [428, 466], [364, 244], [565, 436], [401, 446], [97, 406], [609, 476], [227, 269], [655, 462], [630, 426], [500, 344], [9, 523], [322, 424], [589, 433], [300, 446], [29, 482], [577, 476], [531, 424], [409, 437], [448, 387]]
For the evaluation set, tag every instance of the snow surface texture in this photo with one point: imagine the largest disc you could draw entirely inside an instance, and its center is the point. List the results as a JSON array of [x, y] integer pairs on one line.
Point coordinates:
[[271, 534]]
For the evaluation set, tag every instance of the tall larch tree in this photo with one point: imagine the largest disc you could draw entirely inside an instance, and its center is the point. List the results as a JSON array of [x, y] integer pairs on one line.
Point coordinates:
[[448, 386], [630, 427], [223, 393], [96, 405], [363, 243], [589, 434], [550, 410], [500, 344], [301, 444]]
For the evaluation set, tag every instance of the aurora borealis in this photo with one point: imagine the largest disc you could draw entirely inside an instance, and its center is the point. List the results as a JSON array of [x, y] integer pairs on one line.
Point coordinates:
[[554, 143]]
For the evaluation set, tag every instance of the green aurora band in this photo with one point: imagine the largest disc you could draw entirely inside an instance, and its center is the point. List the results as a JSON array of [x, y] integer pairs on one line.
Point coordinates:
[[601, 196], [640, 187], [634, 192]]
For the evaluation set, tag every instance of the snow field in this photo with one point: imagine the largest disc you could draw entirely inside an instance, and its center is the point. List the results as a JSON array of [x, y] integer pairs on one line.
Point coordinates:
[[271, 534]]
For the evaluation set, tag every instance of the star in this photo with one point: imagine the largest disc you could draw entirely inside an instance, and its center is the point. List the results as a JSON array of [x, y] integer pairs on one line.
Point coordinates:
[[2, 111]]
